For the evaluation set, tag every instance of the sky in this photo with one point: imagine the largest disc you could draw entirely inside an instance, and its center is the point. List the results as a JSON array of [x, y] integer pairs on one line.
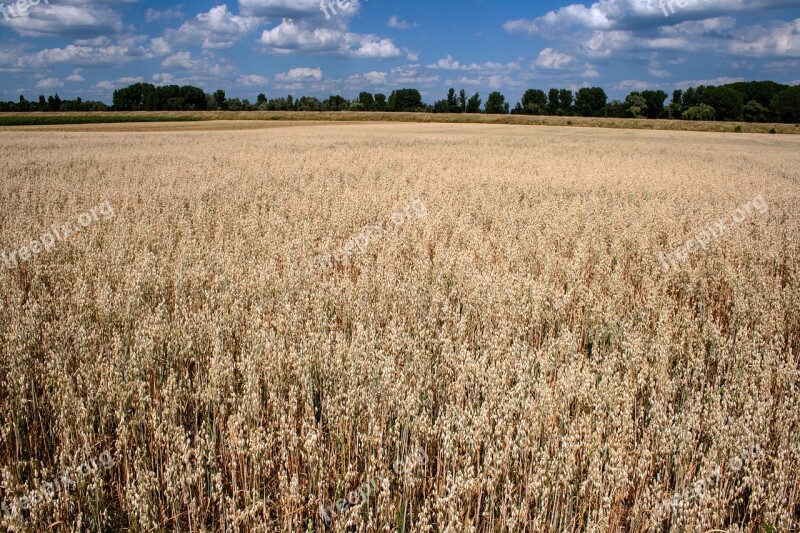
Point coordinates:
[[279, 47]]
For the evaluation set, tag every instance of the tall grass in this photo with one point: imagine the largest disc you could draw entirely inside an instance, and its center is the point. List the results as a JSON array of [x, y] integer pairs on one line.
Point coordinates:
[[523, 333]]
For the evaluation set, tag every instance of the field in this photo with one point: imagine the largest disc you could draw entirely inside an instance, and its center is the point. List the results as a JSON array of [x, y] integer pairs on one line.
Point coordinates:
[[100, 117], [399, 327]]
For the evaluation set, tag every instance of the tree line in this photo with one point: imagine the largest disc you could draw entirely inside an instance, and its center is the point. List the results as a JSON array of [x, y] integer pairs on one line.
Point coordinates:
[[755, 101]]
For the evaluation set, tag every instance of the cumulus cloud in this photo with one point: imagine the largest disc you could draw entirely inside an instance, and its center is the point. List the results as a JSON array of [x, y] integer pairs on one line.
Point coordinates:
[[291, 36], [49, 83], [217, 28], [110, 85], [398, 24], [71, 18], [252, 80], [300, 74], [552, 59], [151, 15], [294, 9]]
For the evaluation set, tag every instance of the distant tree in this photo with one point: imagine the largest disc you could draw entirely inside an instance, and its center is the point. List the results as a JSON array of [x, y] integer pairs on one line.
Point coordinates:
[[636, 105], [193, 98], [380, 102], [474, 104], [366, 100], [701, 112], [534, 102], [675, 109], [617, 109], [308, 103], [552, 102], [759, 91], [496, 104], [727, 103], [591, 101], [234, 104], [262, 99], [565, 100], [755, 112], [462, 101], [655, 103], [405, 100], [335, 103], [219, 99], [691, 98], [786, 105]]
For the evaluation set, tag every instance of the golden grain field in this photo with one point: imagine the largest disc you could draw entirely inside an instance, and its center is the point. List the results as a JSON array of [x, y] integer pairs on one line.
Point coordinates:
[[514, 358]]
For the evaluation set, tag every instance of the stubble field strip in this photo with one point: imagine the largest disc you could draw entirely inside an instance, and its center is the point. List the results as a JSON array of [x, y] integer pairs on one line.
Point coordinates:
[[523, 334]]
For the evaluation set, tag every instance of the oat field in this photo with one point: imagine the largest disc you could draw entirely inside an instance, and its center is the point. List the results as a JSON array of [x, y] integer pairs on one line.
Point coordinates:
[[538, 345]]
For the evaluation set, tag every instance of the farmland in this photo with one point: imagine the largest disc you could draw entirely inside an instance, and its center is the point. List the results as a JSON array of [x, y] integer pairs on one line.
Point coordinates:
[[512, 354]]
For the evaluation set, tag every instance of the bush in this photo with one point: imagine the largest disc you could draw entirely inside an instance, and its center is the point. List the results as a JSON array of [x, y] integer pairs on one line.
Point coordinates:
[[701, 112], [773, 131], [738, 129]]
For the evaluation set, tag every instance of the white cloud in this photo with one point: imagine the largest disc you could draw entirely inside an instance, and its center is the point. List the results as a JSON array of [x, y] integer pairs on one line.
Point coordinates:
[[396, 23], [632, 85], [300, 74], [296, 9], [291, 36], [151, 14], [216, 29], [69, 18], [252, 80], [780, 39], [109, 85], [49, 83], [552, 59], [75, 76], [723, 80]]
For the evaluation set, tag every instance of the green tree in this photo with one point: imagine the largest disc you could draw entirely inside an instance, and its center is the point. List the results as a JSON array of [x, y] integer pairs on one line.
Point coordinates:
[[552, 101], [591, 101], [496, 104], [380, 102], [462, 101], [675, 109], [636, 105], [335, 103], [474, 104], [219, 99], [759, 91], [786, 105], [565, 99], [755, 112], [700, 112], [727, 103], [366, 100], [534, 102], [405, 100], [655, 103]]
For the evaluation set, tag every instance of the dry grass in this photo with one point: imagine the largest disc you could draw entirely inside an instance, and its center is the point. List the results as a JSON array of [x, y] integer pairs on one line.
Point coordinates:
[[523, 333], [347, 116]]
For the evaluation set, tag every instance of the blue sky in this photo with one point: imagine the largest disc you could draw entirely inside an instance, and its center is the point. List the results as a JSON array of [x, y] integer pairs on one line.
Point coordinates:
[[278, 47]]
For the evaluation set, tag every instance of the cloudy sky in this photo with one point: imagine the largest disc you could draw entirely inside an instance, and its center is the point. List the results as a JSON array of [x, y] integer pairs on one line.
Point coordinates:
[[89, 48]]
